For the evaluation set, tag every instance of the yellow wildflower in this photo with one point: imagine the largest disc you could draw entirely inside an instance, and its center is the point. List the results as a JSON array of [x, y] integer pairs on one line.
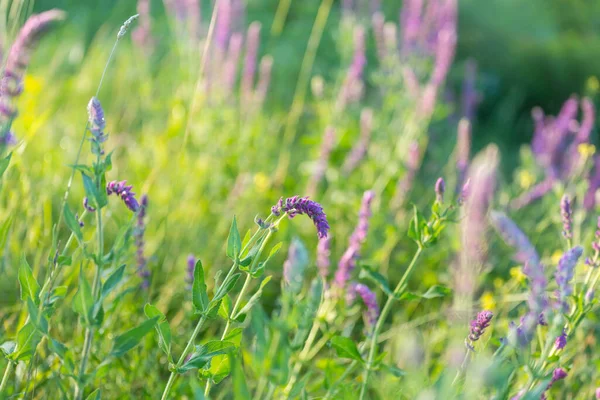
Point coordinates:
[[517, 274], [526, 179], [487, 301], [586, 150]]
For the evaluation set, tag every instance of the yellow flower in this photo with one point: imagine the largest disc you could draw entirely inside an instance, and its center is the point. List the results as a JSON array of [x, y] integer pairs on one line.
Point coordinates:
[[556, 256], [517, 274], [592, 84], [487, 301], [261, 181], [526, 179], [586, 150]]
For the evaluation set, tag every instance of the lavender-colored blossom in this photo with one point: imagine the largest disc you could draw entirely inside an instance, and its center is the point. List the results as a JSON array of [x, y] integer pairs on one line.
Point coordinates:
[[140, 229], [470, 97], [321, 166], [96, 125], [566, 213], [463, 150], [324, 256], [440, 188], [264, 80], [411, 22], [347, 262], [223, 24], [536, 192], [370, 299], [557, 375], [191, 266], [561, 341], [564, 274], [123, 190], [478, 326], [295, 266], [444, 55], [589, 200], [464, 192], [598, 394], [525, 253], [352, 87], [359, 150], [11, 78], [142, 35], [252, 43], [87, 205], [302, 205], [427, 101], [230, 69]]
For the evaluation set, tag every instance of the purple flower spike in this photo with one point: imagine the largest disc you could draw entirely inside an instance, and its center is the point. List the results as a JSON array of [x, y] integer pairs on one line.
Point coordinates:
[[96, 126], [140, 229], [327, 145], [324, 256], [191, 266], [566, 213], [514, 237], [440, 188], [122, 190], [302, 205], [463, 150], [557, 375], [370, 300], [359, 150], [564, 274], [478, 325], [561, 341], [348, 261]]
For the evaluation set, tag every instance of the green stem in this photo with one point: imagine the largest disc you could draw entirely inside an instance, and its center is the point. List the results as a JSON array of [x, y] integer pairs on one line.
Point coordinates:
[[238, 301], [5, 377], [381, 320], [302, 87], [189, 345], [280, 16], [301, 358]]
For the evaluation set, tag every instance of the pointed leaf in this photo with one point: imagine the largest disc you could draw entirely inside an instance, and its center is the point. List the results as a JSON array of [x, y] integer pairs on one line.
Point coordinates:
[[205, 353], [255, 297], [4, 164], [128, 340], [83, 302], [234, 241], [36, 318], [346, 348], [199, 294], [29, 286], [72, 223], [227, 286], [163, 329], [95, 395], [112, 281], [27, 340], [369, 273], [436, 291]]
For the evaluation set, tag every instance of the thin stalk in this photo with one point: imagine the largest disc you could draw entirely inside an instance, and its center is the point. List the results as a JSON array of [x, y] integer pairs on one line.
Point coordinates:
[[238, 301], [381, 320], [301, 358], [302, 87], [280, 16], [5, 377]]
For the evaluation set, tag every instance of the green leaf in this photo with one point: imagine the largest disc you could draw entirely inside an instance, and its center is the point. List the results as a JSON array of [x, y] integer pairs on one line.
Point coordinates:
[[255, 297], [36, 318], [205, 353], [225, 308], [112, 281], [128, 340], [83, 302], [29, 286], [240, 387], [234, 241], [4, 163], [4, 233], [395, 371], [258, 271], [57, 293], [95, 395], [227, 286], [163, 330], [409, 296], [199, 294], [72, 223], [346, 348], [7, 348], [220, 368], [91, 190], [58, 348], [369, 273], [27, 340], [436, 291]]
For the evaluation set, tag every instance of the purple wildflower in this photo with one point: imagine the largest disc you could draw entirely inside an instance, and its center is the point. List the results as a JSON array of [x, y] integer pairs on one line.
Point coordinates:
[[191, 266], [11, 78], [515, 238], [464, 192], [323, 256], [252, 42], [142, 35], [230, 67], [348, 261], [140, 228], [561, 341], [470, 97], [557, 375], [564, 274], [223, 24], [440, 188], [359, 150], [589, 200], [302, 205], [463, 150], [96, 126], [370, 299], [264, 79], [122, 190], [321, 167], [352, 88], [87, 205], [478, 326], [566, 213], [598, 394], [536, 192], [295, 266]]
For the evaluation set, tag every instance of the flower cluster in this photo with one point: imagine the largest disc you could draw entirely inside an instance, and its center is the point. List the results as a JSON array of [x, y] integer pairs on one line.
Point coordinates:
[[11, 78], [564, 274], [302, 205], [123, 190], [566, 212], [96, 125], [478, 326], [370, 300], [561, 341], [191, 266], [323, 256], [348, 261], [557, 375]]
